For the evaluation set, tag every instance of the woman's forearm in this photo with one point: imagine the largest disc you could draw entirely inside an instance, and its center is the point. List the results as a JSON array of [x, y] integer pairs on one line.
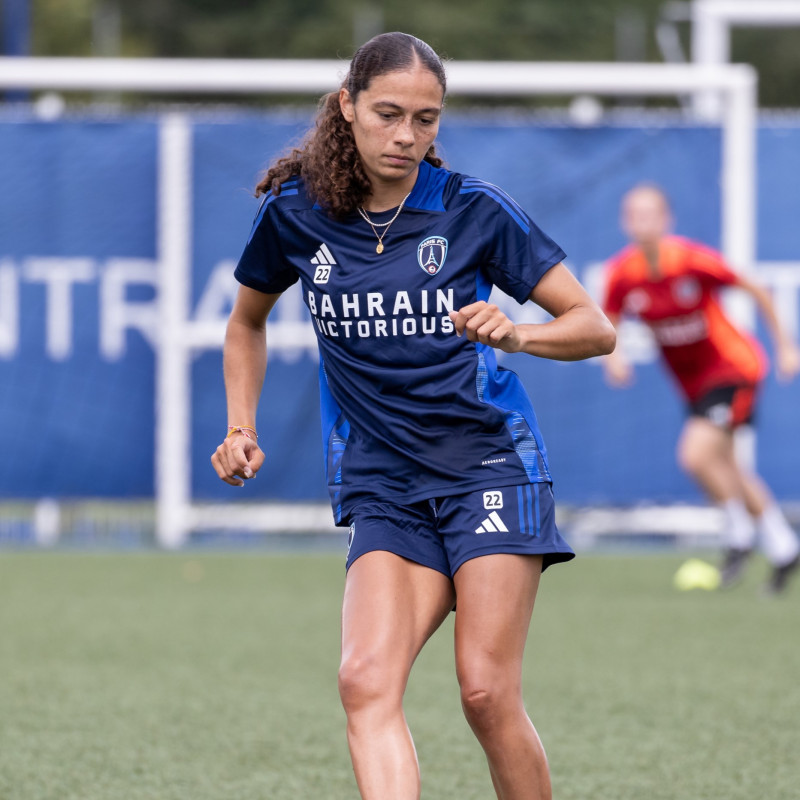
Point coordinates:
[[579, 329], [582, 332], [766, 307], [244, 367]]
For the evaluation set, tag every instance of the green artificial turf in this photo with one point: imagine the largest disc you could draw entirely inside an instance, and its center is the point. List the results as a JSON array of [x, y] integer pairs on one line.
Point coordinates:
[[200, 676]]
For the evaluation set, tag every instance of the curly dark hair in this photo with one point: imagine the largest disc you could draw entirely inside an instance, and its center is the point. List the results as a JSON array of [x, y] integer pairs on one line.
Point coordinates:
[[328, 159]]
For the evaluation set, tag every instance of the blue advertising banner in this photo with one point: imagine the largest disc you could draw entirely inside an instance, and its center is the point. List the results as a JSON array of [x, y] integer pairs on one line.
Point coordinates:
[[78, 291]]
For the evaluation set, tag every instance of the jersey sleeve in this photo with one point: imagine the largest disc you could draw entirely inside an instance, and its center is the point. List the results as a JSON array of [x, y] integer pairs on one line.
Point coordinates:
[[262, 265], [613, 291], [710, 266], [519, 252]]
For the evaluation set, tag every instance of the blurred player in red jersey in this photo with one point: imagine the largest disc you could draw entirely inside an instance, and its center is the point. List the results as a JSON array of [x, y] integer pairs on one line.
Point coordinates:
[[672, 285]]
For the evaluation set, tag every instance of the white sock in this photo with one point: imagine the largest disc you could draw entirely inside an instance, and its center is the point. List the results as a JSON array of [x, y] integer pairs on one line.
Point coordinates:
[[740, 530], [778, 540]]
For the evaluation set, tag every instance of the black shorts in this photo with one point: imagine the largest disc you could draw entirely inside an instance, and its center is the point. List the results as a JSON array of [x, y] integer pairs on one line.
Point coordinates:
[[727, 406]]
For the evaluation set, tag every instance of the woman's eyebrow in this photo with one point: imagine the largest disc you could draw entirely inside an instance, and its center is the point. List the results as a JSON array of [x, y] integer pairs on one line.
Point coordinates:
[[390, 104]]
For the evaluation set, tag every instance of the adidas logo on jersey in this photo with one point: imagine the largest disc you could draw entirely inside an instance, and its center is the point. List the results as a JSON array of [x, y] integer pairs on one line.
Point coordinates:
[[492, 524], [323, 260]]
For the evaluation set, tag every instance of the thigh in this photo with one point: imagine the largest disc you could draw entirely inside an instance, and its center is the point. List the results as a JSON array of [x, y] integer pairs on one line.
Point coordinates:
[[495, 596], [391, 607], [702, 440]]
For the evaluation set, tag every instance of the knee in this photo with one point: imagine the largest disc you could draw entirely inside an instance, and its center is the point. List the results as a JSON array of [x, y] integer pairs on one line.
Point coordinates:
[[484, 705], [362, 682], [703, 447], [690, 458]]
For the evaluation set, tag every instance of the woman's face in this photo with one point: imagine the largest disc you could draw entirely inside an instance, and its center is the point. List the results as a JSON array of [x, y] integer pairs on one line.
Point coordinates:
[[645, 216], [394, 122]]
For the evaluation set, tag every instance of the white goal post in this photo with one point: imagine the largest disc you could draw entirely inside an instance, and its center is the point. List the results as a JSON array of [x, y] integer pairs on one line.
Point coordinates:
[[180, 338], [712, 21]]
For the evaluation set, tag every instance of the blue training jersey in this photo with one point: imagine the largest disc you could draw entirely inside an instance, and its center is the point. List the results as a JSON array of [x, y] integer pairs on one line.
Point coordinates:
[[410, 411]]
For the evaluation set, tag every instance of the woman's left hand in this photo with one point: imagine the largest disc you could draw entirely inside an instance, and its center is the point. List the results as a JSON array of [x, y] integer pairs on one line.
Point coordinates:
[[579, 329], [787, 361], [485, 323]]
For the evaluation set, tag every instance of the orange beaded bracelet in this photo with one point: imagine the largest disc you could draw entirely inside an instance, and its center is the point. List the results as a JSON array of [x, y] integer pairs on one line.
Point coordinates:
[[243, 430]]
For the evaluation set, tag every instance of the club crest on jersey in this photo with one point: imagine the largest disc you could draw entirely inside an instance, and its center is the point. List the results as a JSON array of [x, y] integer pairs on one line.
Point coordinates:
[[431, 254], [686, 291]]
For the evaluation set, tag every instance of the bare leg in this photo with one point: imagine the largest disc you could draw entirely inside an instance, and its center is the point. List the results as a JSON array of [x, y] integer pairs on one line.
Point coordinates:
[[757, 497], [391, 607], [707, 453], [495, 600]]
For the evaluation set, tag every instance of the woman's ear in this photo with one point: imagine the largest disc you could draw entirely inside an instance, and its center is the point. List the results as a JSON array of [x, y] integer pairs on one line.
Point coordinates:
[[346, 104]]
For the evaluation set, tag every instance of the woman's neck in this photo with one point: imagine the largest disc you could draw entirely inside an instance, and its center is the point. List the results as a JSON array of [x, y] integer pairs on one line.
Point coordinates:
[[386, 196], [650, 252]]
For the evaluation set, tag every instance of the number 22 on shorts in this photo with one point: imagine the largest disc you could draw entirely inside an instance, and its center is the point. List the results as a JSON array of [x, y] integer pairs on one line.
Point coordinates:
[[493, 499]]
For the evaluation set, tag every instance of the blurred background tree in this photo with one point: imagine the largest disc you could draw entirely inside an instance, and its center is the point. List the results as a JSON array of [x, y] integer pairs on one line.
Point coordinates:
[[578, 30]]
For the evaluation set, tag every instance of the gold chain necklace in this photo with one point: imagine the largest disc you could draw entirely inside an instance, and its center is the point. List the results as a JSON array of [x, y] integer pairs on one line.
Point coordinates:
[[384, 225]]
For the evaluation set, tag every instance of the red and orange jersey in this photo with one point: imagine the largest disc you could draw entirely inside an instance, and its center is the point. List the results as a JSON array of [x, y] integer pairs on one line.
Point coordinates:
[[681, 306]]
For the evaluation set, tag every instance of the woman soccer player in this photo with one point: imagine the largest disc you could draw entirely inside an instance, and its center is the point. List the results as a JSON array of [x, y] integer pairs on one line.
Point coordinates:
[[434, 457], [672, 285]]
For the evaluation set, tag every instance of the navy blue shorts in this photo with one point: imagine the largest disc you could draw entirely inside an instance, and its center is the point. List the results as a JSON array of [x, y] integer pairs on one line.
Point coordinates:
[[443, 533]]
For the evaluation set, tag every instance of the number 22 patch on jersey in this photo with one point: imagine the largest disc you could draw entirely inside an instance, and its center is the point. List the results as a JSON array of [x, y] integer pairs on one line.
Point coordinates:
[[323, 260]]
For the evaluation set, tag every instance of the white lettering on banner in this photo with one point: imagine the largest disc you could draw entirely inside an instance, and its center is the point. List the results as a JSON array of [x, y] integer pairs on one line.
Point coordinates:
[[219, 294], [9, 310], [59, 275], [118, 314], [290, 332]]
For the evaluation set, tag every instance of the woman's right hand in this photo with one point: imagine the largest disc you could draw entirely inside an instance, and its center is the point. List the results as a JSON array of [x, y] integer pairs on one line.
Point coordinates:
[[237, 459]]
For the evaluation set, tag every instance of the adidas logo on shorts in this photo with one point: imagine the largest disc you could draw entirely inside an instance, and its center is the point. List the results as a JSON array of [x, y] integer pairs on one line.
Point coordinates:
[[492, 524]]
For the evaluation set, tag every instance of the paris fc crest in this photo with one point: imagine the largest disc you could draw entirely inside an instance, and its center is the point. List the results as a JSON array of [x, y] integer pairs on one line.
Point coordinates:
[[687, 292], [431, 254]]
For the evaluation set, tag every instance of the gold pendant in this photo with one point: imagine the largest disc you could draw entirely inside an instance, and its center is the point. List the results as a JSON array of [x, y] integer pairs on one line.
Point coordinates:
[[379, 248]]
